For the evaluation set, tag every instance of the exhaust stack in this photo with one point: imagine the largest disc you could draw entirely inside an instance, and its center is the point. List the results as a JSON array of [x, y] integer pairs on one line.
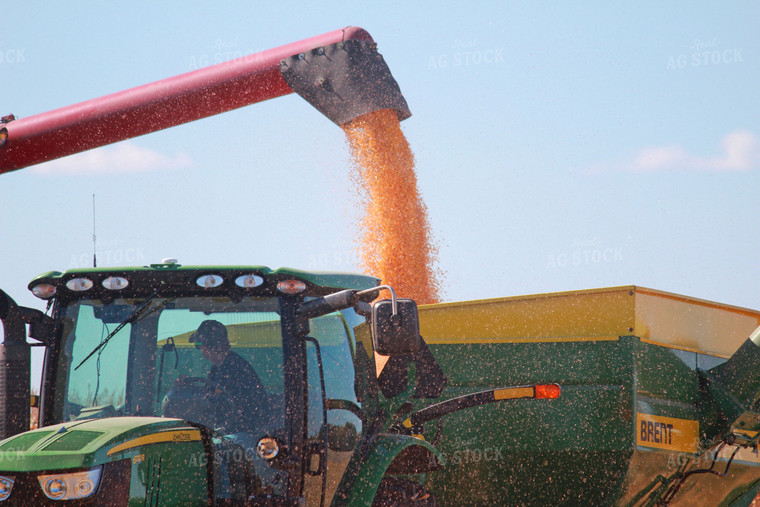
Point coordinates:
[[340, 73], [730, 392]]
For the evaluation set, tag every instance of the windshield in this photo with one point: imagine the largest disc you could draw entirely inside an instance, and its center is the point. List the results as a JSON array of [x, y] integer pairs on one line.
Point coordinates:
[[152, 366]]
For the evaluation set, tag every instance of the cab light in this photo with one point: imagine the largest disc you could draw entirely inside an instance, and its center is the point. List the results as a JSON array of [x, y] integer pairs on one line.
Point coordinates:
[[248, 281], [267, 448], [79, 284], [209, 281], [291, 286], [115, 283], [548, 391], [44, 290], [6, 486], [73, 486]]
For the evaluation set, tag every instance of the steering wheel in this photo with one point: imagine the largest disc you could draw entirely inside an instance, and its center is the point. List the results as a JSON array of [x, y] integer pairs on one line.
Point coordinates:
[[187, 400]]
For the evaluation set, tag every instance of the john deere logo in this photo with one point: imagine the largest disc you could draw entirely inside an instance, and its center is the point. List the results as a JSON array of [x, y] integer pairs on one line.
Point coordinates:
[[181, 436]]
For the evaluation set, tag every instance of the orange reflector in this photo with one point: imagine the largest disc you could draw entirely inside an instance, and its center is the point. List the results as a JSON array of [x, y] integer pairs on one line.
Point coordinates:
[[550, 391], [511, 393], [291, 286]]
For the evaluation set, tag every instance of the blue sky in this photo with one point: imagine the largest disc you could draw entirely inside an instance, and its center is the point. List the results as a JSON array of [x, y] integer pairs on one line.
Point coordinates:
[[558, 146]]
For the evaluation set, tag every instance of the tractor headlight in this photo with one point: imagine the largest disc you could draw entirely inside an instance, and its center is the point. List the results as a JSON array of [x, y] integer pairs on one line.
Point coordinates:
[[6, 486], [71, 486]]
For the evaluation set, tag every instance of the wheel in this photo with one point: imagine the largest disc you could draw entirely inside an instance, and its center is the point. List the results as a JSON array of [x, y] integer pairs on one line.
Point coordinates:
[[401, 492]]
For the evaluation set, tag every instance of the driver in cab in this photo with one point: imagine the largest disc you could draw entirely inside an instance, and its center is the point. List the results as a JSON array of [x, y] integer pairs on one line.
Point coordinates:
[[233, 390]]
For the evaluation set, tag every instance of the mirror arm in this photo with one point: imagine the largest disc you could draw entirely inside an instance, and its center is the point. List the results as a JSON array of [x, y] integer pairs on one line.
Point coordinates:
[[363, 308], [374, 291], [346, 299], [328, 304]]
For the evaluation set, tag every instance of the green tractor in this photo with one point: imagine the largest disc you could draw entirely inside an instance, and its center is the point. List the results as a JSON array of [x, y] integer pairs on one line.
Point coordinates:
[[129, 416]]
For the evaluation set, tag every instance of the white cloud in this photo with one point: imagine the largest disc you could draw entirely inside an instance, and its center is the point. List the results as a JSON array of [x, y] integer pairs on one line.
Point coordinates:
[[741, 152], [123, 157]]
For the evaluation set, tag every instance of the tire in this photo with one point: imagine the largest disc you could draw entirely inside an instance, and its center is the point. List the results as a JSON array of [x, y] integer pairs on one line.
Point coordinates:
[[394, 492]]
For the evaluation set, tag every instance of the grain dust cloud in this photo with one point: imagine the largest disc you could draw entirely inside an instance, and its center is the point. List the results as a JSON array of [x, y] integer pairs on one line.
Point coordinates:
[[395, 242]]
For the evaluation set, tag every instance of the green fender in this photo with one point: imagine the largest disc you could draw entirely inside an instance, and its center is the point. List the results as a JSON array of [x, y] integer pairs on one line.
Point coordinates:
[[415, 456]]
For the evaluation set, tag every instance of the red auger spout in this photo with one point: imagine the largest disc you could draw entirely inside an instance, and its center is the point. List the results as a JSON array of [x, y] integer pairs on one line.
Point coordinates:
[[206, 92]]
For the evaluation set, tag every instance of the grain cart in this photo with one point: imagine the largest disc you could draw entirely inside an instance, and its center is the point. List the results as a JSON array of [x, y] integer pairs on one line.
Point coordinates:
[[659, 400]]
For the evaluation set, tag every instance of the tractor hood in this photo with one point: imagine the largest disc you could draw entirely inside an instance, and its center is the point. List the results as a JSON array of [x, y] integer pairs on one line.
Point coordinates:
[[91, 442]]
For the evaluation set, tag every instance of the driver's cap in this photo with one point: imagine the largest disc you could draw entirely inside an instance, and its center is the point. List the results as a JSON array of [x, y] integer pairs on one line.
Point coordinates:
[[211, 333]]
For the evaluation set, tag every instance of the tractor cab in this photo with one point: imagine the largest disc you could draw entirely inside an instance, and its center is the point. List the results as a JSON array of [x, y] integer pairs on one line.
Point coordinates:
[[129, 378]]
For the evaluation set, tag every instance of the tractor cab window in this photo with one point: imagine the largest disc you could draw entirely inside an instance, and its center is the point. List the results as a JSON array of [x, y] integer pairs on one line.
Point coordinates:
[[95, 386], [139, 357]]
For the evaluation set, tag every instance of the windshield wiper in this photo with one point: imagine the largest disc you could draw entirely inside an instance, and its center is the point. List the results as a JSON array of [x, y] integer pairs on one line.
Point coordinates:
[[138, 313]]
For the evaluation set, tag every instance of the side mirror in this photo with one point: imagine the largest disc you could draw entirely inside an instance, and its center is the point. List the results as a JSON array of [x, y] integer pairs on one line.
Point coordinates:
[[41, 326], [395, 333]]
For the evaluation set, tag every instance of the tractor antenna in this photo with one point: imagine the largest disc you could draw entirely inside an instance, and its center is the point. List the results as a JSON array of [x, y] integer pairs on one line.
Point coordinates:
[[94, 244]]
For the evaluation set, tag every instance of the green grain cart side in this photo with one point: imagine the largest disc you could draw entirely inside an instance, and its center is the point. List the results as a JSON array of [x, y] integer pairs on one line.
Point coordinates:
[[651, 412]]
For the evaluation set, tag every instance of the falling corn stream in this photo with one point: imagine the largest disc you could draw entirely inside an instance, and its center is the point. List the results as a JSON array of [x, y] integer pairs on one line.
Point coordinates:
[[395, 242]]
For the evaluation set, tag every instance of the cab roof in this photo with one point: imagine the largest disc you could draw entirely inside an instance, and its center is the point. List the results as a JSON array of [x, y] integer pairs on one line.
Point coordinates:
[[177, 274]]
